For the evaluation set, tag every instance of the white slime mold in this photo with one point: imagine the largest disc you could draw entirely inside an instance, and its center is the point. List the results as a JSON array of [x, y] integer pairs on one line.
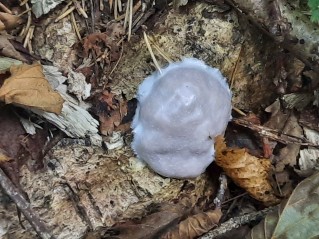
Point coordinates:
[[179, 113]]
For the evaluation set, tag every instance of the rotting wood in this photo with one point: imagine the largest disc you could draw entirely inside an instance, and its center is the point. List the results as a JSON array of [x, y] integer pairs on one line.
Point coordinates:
[[286, 25]]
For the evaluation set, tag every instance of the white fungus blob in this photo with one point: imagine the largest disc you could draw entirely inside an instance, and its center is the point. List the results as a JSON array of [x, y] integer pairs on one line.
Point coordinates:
[[179, 112]]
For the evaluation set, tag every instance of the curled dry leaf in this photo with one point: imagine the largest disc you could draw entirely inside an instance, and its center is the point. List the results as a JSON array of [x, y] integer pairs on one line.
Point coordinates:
[[28, 86], [296, 218], [247, 171], [196, 225]]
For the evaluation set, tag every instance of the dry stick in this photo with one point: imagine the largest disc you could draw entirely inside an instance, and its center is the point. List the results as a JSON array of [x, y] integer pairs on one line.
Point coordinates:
[[236, 222], [24, 206], [119, 4], [79, 9], [25, 29], [151, 52], [273, 134], [130, 20], [63, 15], [5, 9], [115, 9], [111, 4], [76, 29], [23, 2], [101, 5], [127, 10], [135, 8], [160, 51]]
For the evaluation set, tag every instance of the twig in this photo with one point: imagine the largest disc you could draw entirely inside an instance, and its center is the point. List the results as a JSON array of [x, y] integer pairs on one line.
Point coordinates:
[[160, 51], [76, 29], [123, 16], [274, 134], [221, 192], [119, 5], [130, 20], [79, 9], [118, 61], [115, 9], [63, 15], [5, 9], [101, 5], [24, 206], [151, 52], [236, 222]]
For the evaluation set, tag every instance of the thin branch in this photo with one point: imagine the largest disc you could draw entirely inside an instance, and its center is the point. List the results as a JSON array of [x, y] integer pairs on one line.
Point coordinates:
[[24, 206], [236, 222]]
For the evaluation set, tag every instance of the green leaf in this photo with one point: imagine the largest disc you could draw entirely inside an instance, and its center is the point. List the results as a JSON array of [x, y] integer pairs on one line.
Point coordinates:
[[295, 219], [313, 4]]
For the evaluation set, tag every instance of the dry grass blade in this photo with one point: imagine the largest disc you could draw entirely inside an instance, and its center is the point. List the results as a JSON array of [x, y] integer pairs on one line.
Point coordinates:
[[111, 4], [64, 14], [151, 52], [130, 20], [76, 29], [160, 51], [79, 9]]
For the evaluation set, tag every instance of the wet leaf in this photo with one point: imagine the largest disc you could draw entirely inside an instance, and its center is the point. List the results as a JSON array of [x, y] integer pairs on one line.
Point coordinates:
[[27, 86], [247, 171], [196, 225], [296, 218]]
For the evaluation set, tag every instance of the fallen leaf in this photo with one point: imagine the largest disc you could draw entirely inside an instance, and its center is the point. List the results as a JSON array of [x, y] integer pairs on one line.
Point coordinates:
[[27, 86], [196, 225], [9, 21], [105, 44], [247, 171], [7, 49], [4, 156], [298, 217], [151, 226], [287, 123], [111, 112], [16, 147]]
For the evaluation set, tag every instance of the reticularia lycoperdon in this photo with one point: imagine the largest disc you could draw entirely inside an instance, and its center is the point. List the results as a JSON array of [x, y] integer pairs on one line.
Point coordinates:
[[180, 111]]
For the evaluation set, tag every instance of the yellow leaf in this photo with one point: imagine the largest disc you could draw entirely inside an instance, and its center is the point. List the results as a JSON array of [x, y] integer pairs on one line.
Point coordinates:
[[27, 86], [247, 171]]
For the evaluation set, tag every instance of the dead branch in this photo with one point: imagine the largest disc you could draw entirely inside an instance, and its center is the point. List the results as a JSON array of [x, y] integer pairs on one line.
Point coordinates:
[[274, 134], [24, 206], [236, 222]]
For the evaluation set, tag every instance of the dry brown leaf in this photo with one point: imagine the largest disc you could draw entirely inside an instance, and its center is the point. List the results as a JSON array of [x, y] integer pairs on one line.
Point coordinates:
[[151, 226], [7, 49], [247, 171], [9, 21], [27, 86], [196, 225], [3, 156], [110, 111]]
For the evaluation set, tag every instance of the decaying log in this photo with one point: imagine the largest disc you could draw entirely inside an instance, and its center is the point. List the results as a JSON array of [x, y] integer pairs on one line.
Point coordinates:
[[286, 24]]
